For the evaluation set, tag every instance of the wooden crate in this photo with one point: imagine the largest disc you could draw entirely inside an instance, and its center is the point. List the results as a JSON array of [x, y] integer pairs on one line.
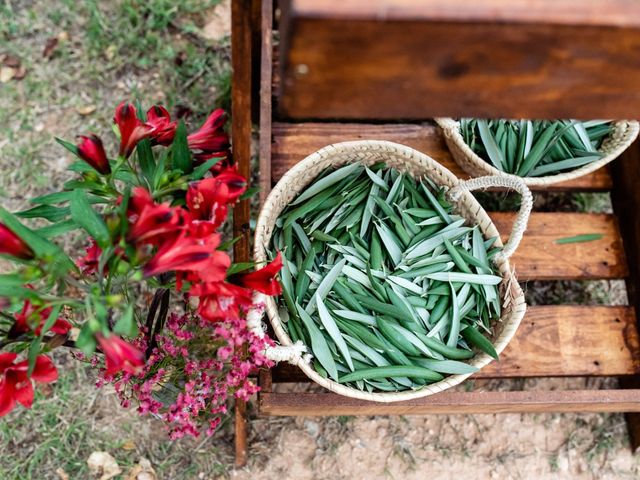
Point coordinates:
[[553, 340]]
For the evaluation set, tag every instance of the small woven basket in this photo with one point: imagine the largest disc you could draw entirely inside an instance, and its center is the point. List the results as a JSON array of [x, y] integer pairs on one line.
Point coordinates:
[[418, 165], [623, 134]]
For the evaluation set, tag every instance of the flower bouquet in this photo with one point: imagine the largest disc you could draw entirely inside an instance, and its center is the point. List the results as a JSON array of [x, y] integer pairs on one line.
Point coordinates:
[[155, 304]]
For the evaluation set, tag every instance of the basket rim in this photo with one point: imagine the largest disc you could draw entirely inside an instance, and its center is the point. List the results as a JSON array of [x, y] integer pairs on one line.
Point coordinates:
[[340, 153], [627, 130]]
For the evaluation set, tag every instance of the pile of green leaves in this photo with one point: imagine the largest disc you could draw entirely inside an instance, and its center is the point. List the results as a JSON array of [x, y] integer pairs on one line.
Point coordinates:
[[389, 289], [535, 148]]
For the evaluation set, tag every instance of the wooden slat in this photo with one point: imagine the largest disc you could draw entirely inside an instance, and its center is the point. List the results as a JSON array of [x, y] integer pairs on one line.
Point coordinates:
[[556, 341], [626, 198], [241, 41], [539, 257], [292, 142], [330, 404], [390, 59]]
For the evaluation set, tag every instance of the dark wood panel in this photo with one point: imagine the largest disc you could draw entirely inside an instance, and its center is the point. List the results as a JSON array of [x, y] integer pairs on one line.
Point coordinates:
[[330, 404], [392, 59], [556, 341], [292, 142]]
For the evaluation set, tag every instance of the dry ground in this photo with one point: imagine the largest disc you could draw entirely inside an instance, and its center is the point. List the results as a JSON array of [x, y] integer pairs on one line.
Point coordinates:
[[177, 53]]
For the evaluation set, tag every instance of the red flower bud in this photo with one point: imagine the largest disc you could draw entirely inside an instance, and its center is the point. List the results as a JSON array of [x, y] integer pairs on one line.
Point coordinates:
[[263, 280], [164, 129], [11, 244], [90, 149], [120, 356], [132, 129]]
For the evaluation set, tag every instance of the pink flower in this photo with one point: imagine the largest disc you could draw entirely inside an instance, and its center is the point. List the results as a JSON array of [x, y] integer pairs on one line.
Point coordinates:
[[16, 386]]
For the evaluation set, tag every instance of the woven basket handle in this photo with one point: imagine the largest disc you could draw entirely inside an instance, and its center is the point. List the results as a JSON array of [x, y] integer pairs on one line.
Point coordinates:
[[512, 183], [293, 353]]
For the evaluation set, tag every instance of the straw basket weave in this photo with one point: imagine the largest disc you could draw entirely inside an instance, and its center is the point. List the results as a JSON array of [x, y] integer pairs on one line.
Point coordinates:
[[419, 165], [623, 134]]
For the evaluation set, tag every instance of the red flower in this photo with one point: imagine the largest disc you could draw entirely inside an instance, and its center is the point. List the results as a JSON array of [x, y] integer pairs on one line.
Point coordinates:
[[190, 254], [132, 129], [263, 280], [16, 386], [120, 356], [207, 200], [235, 182], [11, 244], [211, 137], [32, 319], [157, 223], [164, 129], [220, 300], [90, 149], [89, 263], [139, 199]]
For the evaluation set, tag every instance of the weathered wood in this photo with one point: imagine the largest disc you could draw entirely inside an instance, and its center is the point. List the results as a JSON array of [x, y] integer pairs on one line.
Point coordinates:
[[265, 99], [539, 257], [556, 341], [241, 40], [626, 200], [292, 142], [392, 59], [545, 401]]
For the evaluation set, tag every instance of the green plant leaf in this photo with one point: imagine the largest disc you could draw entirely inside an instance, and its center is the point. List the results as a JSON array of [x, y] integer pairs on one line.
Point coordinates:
[[126, 325], [201, 170], [585, 237], [332, 329], [182, 158], [88, 219]]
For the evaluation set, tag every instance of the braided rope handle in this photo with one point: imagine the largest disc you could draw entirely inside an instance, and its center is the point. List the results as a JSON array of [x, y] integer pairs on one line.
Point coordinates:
[[512, 183], [293, 353]]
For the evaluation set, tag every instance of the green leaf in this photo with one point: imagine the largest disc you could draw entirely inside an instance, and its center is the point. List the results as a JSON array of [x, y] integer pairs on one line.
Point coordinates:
[[326, 285], [445, 366], [40, 246], [86, 340], [69, 146], [319, 344], [493, 151], [201, 170], [51, 319], [473, 336], [392, 371], [88, 219], [327, 181], [250, 192], [34, 350], [585, 237], [465, 278], [239, 267], [332, 329], [48, 212], [57, 229], [126, 325], [182, 159]]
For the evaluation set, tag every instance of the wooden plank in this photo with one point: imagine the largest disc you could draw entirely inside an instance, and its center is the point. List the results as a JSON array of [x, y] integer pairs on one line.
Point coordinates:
[[331, 404], [540, 257], [292, 142], [626, 199], [241, 40], [487, 58], [549, 342], [265, 99]]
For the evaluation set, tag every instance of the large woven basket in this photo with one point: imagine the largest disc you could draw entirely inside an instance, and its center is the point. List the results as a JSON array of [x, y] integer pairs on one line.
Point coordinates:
[[417, 164], [623, 134]]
